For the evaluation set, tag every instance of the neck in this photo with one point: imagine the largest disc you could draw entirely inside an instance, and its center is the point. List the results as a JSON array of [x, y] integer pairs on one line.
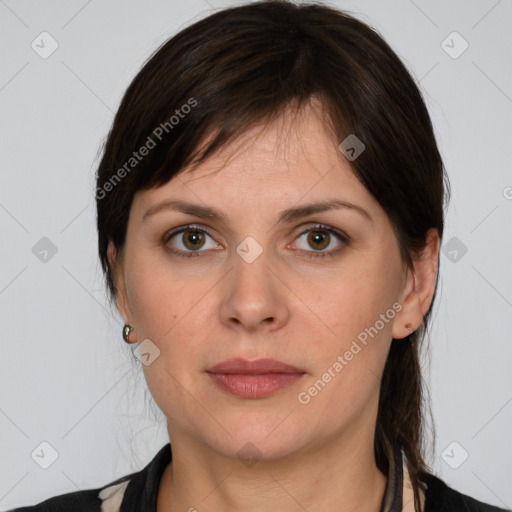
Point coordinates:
[[338, 475]]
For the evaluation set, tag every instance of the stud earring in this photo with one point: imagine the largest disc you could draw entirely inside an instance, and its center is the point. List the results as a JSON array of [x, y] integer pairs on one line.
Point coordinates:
[[127, 329], [409, 328]]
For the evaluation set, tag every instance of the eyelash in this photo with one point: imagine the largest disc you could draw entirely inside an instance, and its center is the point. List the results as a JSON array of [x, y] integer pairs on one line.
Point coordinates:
[[309, 254]]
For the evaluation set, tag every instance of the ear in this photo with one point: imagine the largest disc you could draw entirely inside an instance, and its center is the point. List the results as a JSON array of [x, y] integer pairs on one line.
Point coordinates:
[[419, 288], [116, 266]]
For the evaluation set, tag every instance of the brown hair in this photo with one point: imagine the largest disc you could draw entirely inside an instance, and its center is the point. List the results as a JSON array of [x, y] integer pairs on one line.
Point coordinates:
[[247, 64]]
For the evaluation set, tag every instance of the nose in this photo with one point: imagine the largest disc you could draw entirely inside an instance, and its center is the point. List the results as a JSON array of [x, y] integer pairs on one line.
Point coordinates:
[[254, 296]]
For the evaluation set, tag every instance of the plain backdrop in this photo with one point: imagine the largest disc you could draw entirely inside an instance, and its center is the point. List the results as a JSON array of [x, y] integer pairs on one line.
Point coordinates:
[[66, 377]]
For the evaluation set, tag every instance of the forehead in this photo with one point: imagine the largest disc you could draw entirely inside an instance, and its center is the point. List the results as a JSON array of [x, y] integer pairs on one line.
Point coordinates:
[[295, 158]]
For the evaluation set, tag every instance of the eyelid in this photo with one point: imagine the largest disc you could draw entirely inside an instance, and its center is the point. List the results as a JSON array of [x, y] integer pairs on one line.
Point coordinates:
[[169, 234], [310, 226], [323, 227]]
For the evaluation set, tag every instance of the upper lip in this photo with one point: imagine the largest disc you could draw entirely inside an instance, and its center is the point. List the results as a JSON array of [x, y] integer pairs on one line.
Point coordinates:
[[259, 366]]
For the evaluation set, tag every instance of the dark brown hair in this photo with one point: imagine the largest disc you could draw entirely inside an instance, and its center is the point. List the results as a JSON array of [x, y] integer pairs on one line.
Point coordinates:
[[246, 65]]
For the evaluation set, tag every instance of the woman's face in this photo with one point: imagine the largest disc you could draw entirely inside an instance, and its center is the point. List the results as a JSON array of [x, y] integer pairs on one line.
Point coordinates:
[[260, 284]]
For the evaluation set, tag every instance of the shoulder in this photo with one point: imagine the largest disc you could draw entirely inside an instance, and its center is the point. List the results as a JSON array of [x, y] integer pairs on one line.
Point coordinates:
[[135, 491], [102, 499], [442, 498]]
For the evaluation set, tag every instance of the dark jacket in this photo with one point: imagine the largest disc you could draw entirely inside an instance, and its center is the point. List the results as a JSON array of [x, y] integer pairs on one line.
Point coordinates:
[[138, 492]]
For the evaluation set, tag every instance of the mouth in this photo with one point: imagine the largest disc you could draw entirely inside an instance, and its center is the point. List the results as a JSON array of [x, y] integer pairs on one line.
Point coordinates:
[[254, 379]]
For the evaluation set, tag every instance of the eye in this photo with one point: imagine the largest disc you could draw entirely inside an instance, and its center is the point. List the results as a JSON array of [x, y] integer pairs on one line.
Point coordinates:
[[319, 238], [190, 240]]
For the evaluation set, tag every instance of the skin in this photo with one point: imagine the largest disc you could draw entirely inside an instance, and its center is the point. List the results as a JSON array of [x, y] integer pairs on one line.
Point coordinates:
[[303, 311]]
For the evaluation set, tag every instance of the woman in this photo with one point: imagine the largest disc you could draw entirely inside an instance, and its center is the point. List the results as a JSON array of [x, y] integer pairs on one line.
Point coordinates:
[[270, 211]]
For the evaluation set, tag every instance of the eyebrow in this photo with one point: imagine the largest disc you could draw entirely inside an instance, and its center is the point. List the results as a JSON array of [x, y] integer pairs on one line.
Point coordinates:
[[289, 215]]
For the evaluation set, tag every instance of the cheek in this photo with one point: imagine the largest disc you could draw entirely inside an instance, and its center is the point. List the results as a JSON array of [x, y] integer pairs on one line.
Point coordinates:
[[163, 301], [357, 308], [352, 301], [172, 311], [351, 358], [175, 311]]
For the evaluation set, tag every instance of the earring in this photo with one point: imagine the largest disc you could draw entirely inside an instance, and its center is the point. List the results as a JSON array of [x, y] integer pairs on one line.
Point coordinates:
[[409, 328], [127, 329]]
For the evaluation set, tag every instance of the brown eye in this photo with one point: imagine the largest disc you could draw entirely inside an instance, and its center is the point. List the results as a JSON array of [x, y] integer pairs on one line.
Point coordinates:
[[318, 239], [312, 242], [193, 239], [190, 241]]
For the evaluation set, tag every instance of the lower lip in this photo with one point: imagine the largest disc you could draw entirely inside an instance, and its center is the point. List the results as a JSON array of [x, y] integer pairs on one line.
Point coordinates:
[[254, 386]]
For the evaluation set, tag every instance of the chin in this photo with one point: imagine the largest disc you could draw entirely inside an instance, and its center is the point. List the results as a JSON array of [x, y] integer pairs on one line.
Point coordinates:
[[256, 436]]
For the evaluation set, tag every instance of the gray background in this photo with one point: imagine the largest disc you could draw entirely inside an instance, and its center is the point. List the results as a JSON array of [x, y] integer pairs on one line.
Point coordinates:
[[65, 374]]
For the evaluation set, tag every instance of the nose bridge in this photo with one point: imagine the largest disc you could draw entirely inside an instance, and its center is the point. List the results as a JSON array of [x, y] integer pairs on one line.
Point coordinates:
[[253, 294]]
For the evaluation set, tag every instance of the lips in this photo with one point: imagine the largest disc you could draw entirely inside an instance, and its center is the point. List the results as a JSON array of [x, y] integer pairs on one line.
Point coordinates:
[[258, 367], [254, 379]]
